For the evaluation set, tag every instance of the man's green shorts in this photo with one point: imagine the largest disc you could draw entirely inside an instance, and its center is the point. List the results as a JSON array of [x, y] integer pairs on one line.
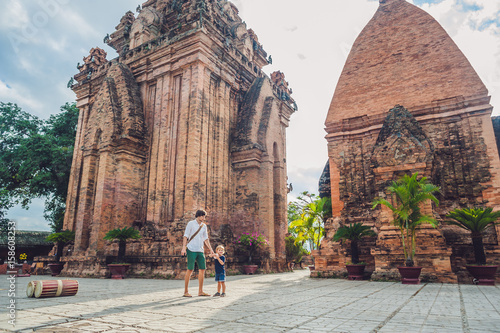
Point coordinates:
[[199, 257]]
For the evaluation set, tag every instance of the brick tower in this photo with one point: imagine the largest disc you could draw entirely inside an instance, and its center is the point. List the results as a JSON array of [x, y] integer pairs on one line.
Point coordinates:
[[408, 100], [183, 119]]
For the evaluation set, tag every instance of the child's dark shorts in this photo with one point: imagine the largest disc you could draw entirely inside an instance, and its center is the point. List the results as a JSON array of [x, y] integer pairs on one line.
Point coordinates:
[[221, 277]]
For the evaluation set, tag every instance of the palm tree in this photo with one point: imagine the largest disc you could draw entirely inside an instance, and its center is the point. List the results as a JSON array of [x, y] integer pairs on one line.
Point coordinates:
[[310, 227], [122, 235], [354, 232], [409, 194], [476, 220]]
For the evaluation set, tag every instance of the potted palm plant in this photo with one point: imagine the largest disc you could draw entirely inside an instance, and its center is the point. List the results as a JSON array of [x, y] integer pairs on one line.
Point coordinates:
[[477, 221], [408, 195], [354, 232], [60, 239], [119, 268]]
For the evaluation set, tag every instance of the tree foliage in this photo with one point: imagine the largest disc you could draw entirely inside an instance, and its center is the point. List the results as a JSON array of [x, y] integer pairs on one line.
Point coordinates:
[[307, 216], [294, 251], [35, 159], [475, 220], [409, 193], [61, 239]]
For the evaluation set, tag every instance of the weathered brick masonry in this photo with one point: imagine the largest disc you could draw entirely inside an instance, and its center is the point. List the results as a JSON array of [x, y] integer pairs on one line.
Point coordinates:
[[183, 119], [408, 100]]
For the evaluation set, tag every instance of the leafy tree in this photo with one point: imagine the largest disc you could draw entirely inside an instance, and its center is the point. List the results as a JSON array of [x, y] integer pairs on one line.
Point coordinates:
[[4, 222], [61, 239], [475, 220], [251, 243], [308, 225], [35, 159], [354, 233], [122, 235], [409, 194], [294, 250]]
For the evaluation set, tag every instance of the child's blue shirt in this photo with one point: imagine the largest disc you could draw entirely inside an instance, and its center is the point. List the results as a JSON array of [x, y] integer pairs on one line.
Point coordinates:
[[220, 269]]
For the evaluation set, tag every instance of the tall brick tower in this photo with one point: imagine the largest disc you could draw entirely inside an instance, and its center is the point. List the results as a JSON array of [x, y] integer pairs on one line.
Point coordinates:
[[183, 119], [409, 101]]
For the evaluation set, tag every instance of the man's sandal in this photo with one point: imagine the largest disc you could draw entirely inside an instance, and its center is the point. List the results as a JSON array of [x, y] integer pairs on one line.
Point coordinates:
[[187, 295], [204, 294]]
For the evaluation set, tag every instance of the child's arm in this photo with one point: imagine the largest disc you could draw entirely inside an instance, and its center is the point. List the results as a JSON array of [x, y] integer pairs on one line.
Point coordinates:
[[220, 261]]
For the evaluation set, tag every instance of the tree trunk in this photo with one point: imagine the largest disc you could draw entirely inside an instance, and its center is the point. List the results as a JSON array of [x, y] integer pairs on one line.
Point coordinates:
[[354, 251], [121, 251], [59, 250], [477, 243]]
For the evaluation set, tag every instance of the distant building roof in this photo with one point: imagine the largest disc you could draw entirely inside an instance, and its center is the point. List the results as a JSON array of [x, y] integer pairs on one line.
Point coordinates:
[[27, 238]]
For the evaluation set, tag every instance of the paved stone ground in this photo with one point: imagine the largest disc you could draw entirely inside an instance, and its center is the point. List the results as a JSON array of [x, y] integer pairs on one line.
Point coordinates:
[[287, 302]]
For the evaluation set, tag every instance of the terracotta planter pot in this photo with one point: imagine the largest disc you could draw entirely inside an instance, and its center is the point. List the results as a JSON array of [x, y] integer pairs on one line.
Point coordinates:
[[118, 271], [355, 272], [56, 268], [484, 275], [410, 275], [250, 269]]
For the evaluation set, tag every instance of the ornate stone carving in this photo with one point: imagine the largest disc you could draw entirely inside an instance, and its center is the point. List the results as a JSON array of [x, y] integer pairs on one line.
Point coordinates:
[[120, 38], [96, 58], [401, 141]]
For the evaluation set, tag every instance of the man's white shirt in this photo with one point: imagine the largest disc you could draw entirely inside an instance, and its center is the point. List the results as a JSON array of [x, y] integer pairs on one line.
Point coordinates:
[[196, 244]]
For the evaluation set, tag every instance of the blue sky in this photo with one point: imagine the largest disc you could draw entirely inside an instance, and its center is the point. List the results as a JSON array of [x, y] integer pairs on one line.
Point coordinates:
[[41, 41]]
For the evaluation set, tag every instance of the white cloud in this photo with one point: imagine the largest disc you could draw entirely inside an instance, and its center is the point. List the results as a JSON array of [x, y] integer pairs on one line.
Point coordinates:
[[13, 16], [74, 22], [31, 219], [305, 179], [16, 94]]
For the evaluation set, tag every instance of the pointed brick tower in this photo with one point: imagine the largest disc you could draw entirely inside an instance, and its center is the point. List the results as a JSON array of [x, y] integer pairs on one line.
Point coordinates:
[[440, 127]]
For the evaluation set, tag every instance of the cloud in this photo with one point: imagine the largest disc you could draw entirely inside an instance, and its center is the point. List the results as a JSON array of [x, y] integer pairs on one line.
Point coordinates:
[[301, 56], [16, 94], [304, 179], [31, 219], [13, 16]]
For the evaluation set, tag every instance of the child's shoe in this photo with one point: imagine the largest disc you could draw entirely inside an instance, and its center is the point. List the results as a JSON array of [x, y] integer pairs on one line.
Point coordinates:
[[222, 295], [218, 294]]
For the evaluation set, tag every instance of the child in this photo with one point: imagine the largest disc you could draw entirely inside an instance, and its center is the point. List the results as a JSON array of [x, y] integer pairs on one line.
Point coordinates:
[[220, 270]]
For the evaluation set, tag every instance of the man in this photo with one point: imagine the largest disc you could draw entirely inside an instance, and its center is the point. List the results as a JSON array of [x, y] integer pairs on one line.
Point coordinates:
[[195, 237]]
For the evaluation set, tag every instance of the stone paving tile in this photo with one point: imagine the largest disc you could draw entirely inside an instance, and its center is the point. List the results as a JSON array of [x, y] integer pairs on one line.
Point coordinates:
[[434, 329], [323, 324], [444, 321], [28, 319], [243, 328], [89, 326], [180, 324], [225, 315], [275, 319], [288, 302], [490, 325], [127, 320]]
